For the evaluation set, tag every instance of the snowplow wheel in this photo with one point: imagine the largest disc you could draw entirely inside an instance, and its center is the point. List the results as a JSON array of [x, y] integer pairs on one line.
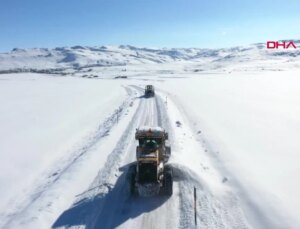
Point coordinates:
[[167, 154], [131, 179], [168, 182], [132, 185]]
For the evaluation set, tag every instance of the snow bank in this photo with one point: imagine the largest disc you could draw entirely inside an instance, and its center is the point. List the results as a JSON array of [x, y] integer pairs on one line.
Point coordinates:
[[251, 123], [43, 118]]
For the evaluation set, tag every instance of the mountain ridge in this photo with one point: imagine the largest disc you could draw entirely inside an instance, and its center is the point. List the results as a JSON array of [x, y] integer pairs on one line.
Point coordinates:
[[75, 57]]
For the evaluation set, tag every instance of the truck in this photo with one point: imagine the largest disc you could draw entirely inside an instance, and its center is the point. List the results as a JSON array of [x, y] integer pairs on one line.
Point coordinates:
[[150, 174], [149, 91]]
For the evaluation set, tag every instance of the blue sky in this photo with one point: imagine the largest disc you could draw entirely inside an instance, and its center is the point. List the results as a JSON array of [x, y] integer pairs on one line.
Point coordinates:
[[151, 23]]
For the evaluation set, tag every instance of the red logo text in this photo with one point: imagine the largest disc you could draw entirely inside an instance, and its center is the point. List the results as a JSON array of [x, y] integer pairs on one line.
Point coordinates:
[[279, 45]]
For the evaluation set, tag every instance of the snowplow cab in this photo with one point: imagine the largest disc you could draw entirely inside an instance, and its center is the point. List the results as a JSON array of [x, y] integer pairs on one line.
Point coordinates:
[[149, 91], [151, 140]]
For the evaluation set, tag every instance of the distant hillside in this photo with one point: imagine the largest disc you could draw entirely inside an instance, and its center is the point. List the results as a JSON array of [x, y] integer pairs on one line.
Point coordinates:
[[57, 59]]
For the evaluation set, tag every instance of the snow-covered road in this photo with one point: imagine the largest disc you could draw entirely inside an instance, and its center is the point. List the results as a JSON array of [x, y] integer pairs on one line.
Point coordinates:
[[107, 202]]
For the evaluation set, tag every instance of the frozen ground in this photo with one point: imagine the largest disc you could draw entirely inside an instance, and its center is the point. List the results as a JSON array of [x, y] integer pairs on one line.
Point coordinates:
[[42, 122], [250, 125], [66, 142]]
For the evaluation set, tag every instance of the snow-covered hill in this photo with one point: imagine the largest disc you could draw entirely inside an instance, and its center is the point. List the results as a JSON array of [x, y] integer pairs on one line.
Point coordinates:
[[205, 59]]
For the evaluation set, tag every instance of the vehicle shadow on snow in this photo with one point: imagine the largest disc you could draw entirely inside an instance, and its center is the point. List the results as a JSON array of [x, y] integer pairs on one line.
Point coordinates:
[[143, 97], [110, 207]]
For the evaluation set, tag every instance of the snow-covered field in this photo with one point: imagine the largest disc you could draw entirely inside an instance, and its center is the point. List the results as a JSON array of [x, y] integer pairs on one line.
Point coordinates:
[[250, 125], [66, 138]]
